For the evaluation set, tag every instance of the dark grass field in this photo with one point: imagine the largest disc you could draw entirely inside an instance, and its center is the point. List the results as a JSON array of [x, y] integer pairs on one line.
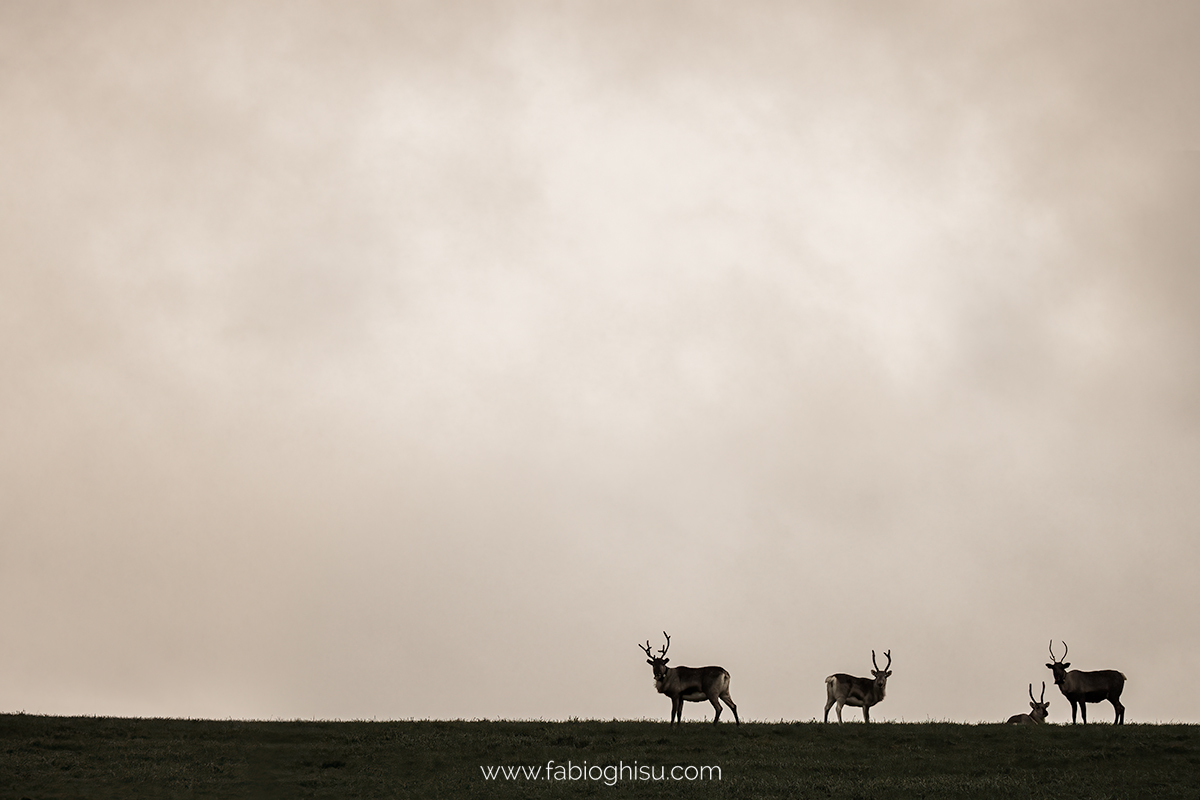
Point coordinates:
[[87, 757]]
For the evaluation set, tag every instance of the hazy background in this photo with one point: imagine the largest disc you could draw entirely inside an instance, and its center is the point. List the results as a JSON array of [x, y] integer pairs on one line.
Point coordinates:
[[420, 359]]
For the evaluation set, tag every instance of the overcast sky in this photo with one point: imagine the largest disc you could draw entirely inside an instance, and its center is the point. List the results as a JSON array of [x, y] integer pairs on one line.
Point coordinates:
[[419, 360]]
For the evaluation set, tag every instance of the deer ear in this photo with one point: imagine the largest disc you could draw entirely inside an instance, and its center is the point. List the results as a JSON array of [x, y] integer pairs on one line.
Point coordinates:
[[1066, 664], [888, 674], [648, 661], [1049, 666], [665, 660]]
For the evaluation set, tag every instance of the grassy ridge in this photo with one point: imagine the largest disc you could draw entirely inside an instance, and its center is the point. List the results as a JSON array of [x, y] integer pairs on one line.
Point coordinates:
[[99, 757]]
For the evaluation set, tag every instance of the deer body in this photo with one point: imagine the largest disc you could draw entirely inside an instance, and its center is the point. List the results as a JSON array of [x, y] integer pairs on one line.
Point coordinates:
[[1081, 688], [847, 690], [692, 684], [1026, 719]]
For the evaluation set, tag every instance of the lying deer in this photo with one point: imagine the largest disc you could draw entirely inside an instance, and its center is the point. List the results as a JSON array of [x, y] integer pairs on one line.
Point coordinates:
[[1038, 714]]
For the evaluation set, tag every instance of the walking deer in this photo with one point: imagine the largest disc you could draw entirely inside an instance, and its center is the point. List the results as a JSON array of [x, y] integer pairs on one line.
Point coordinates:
[[1081, 688], [847, 690], [694, 684]]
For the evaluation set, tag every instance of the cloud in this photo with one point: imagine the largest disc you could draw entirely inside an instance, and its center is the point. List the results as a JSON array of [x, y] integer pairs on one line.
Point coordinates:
[[417, 347]]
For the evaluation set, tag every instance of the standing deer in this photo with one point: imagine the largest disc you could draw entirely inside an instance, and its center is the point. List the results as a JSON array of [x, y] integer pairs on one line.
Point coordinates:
[[847, 690], [689, 683], [1081, 688], [1038, 715]]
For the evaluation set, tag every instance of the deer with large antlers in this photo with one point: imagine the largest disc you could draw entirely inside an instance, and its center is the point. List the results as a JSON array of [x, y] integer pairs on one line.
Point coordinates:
[[1081, 688], [694, 684], [847, 690], [1038, 713]]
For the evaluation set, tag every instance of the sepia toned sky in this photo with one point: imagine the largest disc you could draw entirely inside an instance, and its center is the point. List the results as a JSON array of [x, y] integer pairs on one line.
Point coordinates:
[[420, 359]]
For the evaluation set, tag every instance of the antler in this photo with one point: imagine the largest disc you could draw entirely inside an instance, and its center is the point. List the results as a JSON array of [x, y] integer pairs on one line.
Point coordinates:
[[1043, 700], [662, 651], [1031, 691], [889, 664], [1064, 655]]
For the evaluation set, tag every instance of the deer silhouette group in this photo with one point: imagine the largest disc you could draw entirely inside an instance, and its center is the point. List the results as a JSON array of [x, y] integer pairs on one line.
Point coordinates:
[[697, 684]]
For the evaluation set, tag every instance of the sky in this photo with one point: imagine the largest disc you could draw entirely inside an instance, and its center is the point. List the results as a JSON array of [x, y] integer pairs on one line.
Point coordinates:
[[407, 360]]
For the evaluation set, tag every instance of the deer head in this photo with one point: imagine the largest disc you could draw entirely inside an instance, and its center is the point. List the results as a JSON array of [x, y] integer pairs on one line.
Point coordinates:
[[881, 675], [1039, 706], [1059, 666], [658, 662]]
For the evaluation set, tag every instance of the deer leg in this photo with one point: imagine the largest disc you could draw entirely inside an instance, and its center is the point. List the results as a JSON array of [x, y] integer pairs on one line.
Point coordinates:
[[839, 711], [866, 713], [1120, 709], [716, 707], [729, 702], [828, 705], [1072, 702], [1083, 710]]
